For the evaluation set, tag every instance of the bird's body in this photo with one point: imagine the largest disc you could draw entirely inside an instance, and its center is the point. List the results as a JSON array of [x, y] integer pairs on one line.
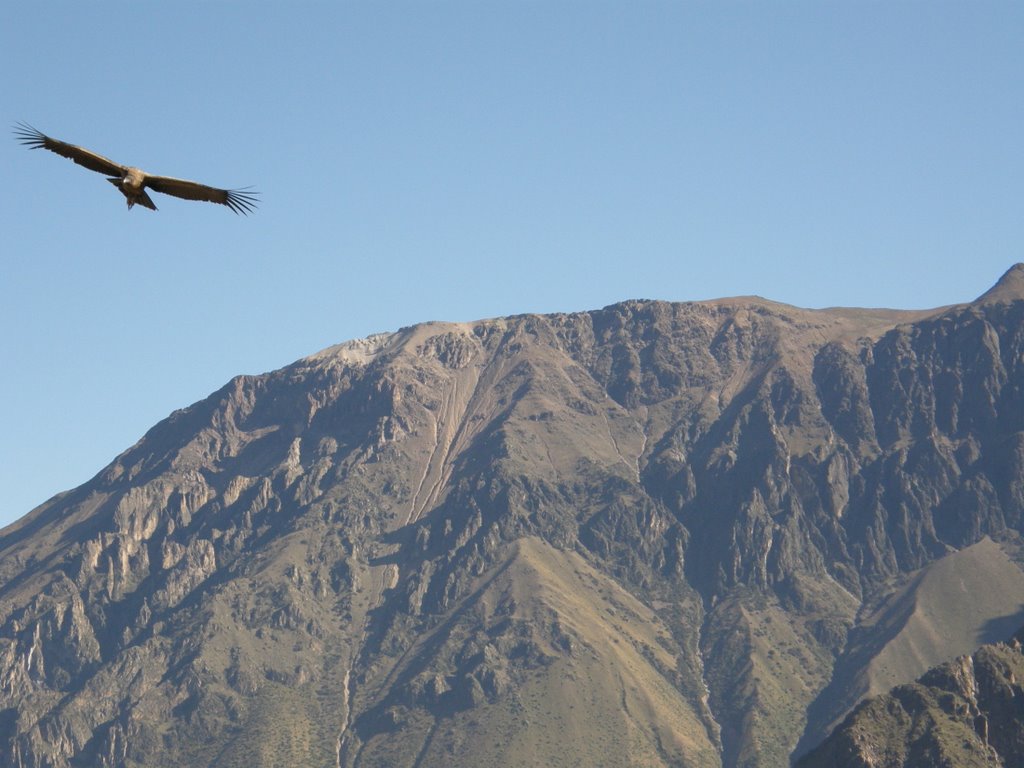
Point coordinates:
[[131, 181], [133, 187]]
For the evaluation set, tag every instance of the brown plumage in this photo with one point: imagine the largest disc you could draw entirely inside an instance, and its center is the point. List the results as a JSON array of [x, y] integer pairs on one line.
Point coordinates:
[[132, 181]]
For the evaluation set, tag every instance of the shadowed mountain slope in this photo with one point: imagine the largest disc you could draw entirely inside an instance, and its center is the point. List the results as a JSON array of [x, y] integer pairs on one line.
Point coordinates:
[[653, 534]]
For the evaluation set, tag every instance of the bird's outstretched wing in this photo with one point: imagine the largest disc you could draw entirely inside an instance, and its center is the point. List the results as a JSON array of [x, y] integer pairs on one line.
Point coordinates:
[[238, 200], [34, 139]]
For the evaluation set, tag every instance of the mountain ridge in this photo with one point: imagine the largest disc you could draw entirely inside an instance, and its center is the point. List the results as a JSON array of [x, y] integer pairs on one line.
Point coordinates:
[[754, 476], [1009, 287]]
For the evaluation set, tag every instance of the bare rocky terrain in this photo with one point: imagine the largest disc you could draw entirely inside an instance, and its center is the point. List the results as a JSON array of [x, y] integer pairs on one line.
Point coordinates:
[[649, 535], [966, 712]]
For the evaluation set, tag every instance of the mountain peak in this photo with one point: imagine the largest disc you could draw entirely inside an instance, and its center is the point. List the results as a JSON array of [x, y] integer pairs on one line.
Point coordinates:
[[1010, 287], [654, 534]]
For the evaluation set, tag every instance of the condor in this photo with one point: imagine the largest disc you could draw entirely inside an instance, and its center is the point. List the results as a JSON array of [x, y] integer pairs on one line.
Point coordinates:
[[133, 182]]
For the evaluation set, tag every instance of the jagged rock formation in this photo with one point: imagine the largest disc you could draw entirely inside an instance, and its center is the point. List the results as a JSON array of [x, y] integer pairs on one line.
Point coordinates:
[[965, 712], [654, 534]]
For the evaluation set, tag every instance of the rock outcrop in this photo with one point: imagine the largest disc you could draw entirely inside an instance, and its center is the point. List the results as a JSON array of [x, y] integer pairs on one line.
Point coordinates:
[[966, 712]]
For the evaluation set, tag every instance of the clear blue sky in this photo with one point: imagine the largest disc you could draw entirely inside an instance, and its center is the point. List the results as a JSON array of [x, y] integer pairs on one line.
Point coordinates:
[[461, 160]]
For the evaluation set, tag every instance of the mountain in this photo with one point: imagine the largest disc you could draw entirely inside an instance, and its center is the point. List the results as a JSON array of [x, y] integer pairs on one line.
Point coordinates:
[[965, 712], [653, 534]]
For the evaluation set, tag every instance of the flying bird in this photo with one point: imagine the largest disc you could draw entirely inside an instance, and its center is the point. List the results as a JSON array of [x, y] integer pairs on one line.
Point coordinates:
[[133, 182]]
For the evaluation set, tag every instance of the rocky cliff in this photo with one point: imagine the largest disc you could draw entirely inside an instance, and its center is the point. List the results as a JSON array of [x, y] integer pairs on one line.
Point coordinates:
[[966, 712], [653, 534]]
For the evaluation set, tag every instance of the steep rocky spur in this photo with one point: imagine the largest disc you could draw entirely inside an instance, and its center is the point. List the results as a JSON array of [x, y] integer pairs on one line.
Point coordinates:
[[966, 712]]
